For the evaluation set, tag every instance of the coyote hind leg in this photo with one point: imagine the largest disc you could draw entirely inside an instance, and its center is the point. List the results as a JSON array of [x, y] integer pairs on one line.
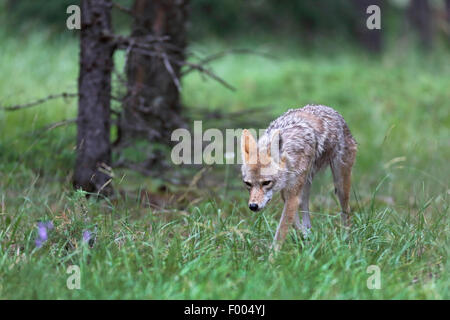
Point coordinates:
[[342, 173]]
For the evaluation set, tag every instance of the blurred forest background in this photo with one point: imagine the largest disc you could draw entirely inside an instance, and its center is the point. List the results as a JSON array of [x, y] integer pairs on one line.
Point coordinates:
[[149, 67]]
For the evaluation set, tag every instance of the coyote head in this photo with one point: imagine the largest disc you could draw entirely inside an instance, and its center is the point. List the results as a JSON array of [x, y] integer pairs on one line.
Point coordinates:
[[262, 167]]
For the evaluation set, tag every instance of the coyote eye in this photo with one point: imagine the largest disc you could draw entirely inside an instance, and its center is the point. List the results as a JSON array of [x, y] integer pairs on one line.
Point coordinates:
[[248, 184], [266, 183]]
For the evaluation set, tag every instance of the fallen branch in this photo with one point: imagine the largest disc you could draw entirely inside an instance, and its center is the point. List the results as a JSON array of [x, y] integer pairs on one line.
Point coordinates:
[[193, 183]]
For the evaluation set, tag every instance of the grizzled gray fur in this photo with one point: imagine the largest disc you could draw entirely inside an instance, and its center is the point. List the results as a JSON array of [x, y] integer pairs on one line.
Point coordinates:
[[307, 139]]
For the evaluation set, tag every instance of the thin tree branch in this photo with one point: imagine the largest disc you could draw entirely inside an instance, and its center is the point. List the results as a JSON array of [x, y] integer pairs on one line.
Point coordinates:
[[221, 54], [122, 8], [60, 124], [54, 126], [40, 101], [169, 68], [123, 42], [200, 68], [203, 70]]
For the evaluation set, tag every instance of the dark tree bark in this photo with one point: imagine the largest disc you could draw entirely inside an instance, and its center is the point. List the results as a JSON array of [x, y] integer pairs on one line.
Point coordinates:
[[94, 89], [419, 14], [369, 39], [447, 6], [152, 108]]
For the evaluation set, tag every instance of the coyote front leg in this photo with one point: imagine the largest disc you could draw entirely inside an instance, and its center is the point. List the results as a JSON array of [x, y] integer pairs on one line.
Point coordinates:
[[291, 205], [305, 225]]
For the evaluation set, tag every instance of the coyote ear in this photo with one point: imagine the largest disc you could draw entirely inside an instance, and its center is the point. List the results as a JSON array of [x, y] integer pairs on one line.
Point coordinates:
[[248, 147]]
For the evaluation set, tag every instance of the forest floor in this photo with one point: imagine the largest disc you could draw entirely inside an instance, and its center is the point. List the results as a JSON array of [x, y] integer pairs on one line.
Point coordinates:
[[161, 240]]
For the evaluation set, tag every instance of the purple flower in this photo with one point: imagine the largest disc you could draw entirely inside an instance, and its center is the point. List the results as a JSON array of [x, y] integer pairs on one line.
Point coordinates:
[[43, 228], [87, 235], [90, 237]]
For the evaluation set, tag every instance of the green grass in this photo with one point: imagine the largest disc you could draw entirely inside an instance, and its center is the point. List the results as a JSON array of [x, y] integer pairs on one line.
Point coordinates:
[[397, 107]]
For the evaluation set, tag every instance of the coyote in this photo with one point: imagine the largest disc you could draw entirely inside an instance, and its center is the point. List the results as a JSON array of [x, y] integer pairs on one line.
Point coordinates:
[[291, 151]]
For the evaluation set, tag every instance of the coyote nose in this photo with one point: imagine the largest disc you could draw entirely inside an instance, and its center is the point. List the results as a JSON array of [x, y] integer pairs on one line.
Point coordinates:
[[253, 206]]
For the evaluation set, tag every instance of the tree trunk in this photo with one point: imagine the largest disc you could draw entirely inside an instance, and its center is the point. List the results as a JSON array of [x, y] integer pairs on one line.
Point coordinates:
[[419, 14], [152, 108], [370, 39], [447, 6], [94, 89]]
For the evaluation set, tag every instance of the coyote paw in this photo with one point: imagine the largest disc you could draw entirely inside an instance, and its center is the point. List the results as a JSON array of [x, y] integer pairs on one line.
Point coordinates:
[[274, 249]]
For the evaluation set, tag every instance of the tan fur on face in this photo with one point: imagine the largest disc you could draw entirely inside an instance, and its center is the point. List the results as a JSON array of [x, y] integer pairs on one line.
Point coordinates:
[[256, 195]]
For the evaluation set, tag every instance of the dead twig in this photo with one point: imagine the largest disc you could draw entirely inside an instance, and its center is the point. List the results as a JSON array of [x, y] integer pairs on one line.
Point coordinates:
[[193, 183], [209, 73], [222, 54], [169, 69], [151, 52], [40, 101], [122, 8], [123, 42], [41, 131], [58, 124]]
